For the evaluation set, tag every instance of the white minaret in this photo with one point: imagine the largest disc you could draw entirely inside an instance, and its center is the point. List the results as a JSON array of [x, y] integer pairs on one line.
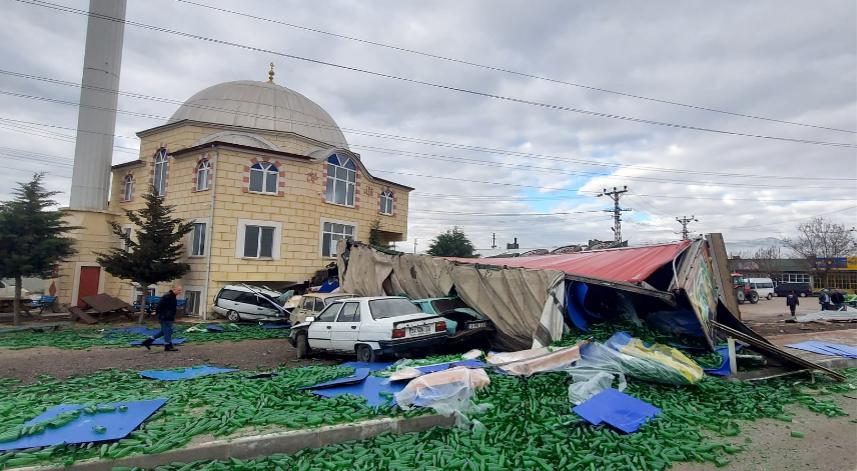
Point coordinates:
[[96, 122]]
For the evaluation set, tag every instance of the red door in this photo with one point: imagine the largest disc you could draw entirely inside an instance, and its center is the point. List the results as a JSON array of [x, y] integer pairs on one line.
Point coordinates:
[[88, 283]]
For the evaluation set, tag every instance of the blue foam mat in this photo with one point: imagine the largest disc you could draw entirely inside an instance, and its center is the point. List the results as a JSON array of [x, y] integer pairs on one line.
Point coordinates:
[[276, 326], [617, 409], [214, 328], [723, 369], [157, 342], [118, 424], [377, 366], [370, 388], [446, 366], [825, 348], [187, 373], [359, 375]]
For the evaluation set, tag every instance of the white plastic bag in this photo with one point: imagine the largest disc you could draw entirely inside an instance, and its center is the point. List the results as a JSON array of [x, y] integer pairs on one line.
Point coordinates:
[[444, 391], [588, 384]]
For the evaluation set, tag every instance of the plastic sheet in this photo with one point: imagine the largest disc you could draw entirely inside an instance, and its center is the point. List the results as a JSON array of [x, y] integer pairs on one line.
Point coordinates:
[[535, 360], [598, 357], [620, 410], [663, 355], [187, 373], [445, 391], [589, 384]]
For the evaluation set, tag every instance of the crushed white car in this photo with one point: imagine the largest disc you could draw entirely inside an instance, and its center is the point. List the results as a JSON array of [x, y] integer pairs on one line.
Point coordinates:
[[369, 327]]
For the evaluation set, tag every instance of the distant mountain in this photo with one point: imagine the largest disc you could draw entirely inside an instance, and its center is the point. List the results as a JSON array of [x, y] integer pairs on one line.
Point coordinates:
[[751, 246]]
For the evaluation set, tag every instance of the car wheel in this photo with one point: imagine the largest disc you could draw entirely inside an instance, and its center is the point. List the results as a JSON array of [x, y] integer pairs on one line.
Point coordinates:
[[302, 345], [770, 296], [803, 295], [233, 316], [365, 354], [754, 297], [741, 296]]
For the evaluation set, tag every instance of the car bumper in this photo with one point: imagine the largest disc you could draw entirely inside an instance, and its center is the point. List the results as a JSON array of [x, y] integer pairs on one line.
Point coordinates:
[[401, 345]]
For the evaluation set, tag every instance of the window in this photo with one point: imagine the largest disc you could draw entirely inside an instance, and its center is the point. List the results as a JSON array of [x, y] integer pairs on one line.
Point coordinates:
[[392, 307], [350, 313], [138, 294], [341, 175], [258, 242], [307, 304], [229, 295], [331, 234], [203, 174], [387, 202], [192, 304], [319, 305], [197, 239], [125, 245], [160, 181], [329, 314], [128, 195], [258, 239], [263, 178]]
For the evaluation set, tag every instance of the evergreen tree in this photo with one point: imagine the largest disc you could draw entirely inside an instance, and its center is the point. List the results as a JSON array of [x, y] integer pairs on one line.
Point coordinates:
[[155, 255], [375, 232], [452, 243], [32, 237]]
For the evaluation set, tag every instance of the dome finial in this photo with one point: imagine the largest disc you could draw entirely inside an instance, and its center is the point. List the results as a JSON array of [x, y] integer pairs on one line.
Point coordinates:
[[271, 74]]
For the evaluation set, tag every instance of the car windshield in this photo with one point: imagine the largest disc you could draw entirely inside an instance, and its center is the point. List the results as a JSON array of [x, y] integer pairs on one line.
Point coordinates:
[[283, 298], [447, 304], [392, 307]]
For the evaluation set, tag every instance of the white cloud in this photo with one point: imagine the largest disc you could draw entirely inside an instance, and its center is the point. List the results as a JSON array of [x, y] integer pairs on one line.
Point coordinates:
[[788, 61]]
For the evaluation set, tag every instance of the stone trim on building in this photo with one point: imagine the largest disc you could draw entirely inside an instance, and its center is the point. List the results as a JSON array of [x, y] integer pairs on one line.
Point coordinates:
[[199, 159], [281, 177]]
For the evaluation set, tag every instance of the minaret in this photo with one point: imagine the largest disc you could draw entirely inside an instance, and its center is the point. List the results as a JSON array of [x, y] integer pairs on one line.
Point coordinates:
[[96, 122]]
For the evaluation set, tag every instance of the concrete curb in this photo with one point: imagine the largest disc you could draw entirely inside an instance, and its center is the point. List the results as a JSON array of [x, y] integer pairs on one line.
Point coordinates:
[[263, 445]]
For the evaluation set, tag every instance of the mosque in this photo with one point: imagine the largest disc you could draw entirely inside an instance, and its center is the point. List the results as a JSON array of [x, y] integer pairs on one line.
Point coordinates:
[[268, 180]]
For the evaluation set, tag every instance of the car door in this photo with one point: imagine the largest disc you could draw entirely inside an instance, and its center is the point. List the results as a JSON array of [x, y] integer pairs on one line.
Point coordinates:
[[320, 330], [344, 332]]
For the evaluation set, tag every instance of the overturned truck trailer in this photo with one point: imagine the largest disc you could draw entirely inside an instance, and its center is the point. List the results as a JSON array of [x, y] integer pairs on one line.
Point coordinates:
[[530, 299]]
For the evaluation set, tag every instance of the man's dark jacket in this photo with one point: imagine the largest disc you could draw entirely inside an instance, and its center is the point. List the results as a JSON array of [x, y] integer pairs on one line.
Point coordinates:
[[166, 309], [837, 298]]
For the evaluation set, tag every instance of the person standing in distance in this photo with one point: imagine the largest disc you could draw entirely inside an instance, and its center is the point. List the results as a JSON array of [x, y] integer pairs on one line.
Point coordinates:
[[792, 302], [824, 300], [166, 312], [838, 300]]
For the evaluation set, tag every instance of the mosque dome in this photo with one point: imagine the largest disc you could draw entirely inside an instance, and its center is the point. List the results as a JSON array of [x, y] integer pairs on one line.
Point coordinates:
[[262, 106]]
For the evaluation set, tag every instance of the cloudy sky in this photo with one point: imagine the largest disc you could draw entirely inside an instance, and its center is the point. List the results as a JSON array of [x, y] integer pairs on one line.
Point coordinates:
[[524, 113]]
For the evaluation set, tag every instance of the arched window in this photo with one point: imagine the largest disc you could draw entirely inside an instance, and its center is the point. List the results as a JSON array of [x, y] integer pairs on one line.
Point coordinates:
[[387, 202], [160, 181], [203, 173], [341, 175], [128, 186], [263, 178]]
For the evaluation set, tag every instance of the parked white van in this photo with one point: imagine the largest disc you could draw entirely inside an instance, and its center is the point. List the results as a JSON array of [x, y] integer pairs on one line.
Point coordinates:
[[763, 286]]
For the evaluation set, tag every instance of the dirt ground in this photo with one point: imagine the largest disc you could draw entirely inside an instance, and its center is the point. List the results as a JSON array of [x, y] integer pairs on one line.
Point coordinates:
[[828, 444], [768, 317], [28, 364]]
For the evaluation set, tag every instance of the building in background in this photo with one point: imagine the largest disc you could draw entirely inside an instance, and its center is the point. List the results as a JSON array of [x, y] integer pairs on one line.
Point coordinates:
[[268, 179]]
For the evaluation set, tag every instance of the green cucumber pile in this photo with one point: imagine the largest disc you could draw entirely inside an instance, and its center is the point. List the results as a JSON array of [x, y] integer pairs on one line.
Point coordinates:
[[81, 339], [531, 427], [221, 405]]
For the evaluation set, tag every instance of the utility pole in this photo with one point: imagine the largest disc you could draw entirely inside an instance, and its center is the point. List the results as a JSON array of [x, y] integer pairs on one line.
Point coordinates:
[[415, 245], [616, 195], [493, 240], [684, 220]]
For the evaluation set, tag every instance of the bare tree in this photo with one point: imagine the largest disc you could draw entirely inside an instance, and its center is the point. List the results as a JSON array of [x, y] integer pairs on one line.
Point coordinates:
[[821, 242], [769, 260]]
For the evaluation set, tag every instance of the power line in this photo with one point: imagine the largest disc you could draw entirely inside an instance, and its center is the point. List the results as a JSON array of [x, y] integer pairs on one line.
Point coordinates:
[[500, 69], [431, 84], [684, 221], [390, 136]]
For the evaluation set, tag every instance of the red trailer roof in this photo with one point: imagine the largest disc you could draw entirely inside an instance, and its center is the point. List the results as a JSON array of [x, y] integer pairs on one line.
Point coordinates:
[[631, 264]]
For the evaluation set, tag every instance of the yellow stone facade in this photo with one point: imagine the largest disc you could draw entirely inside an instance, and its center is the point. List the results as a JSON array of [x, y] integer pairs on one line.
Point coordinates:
[[297, 210]]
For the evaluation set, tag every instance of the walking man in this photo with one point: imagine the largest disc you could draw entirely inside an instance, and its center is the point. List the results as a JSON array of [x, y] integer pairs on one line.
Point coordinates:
[[792, 302], [824, 300], [166, 312], [838, 300]]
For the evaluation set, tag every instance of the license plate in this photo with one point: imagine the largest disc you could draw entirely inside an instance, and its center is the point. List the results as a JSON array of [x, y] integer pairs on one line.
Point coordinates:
[[476, 325], [419, 330]]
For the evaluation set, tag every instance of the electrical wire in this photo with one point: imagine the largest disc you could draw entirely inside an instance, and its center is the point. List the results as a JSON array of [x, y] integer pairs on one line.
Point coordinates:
[[500, 69], [431, 84], [383, 136]]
